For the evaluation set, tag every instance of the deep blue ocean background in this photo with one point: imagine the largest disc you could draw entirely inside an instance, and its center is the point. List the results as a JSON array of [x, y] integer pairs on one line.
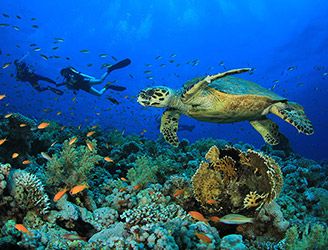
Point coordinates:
[[283, 40]]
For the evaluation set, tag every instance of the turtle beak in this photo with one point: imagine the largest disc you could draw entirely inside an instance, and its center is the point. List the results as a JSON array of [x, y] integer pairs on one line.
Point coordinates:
[[143, 98]]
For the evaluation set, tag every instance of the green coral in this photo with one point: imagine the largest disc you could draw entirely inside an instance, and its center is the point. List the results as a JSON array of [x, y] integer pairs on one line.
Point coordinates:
[[72, 166], [144, 172], [152, 169], [313, 237]]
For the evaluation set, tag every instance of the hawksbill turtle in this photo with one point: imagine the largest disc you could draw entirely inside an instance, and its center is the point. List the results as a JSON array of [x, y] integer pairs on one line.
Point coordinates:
[[223, 98]]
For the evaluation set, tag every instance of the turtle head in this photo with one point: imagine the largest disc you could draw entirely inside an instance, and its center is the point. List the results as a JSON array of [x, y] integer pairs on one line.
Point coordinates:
[[159, 96]]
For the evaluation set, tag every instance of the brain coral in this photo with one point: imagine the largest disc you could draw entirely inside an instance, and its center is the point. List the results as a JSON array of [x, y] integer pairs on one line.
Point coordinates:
[[233, 181]]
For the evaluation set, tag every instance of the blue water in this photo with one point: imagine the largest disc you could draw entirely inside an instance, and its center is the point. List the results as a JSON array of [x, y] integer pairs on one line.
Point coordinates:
[[270, 36]]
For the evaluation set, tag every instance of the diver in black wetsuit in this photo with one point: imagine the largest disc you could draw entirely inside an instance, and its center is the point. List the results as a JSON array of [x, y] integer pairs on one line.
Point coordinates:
[[25, 74], [76, 80]]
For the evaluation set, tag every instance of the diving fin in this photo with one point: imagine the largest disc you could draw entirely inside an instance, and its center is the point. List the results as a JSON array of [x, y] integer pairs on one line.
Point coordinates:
[[113, 100], [119, 65], [56, 91]]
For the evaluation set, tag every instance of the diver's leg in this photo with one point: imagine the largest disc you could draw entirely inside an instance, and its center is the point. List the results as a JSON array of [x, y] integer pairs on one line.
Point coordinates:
[[43, 78], [94, 81], [95, 92], [39, 88], [98, 92]]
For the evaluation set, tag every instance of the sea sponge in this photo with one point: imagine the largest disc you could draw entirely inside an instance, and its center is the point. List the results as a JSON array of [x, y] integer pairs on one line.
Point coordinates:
[[28, 192], [232, 181]]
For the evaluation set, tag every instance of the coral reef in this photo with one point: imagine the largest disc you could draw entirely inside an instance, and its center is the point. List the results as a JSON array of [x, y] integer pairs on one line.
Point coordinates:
[[141, 197]]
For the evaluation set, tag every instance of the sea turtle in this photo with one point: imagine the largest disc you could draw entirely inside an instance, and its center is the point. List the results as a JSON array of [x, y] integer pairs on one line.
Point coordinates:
[[223, 98]]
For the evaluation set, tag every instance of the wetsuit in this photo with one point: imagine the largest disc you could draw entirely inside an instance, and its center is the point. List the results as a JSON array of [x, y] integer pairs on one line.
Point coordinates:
[[76, 80], [25, 74]]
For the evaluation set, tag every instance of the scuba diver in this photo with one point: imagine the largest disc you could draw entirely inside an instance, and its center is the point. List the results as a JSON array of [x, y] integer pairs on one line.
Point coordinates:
[[76, 80], [25, 74]]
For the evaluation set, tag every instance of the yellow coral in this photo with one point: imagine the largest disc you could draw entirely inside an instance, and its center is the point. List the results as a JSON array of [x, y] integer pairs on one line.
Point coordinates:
[[229, 174], [209, 189], [227, 166], [253, 199], [213, 154]]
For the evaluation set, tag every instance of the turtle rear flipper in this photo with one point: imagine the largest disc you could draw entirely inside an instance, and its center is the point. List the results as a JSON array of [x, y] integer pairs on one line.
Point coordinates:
[[268, 129], [191, 90], [169, 126], [293, 113]]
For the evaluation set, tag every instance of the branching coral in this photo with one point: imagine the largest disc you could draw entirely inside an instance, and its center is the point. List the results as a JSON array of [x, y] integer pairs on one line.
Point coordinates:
[[144, 172], [234, 181], [253, 199], [72, 166], [21, 119], [313, 237], [151, 169], [152, 213], [4, 172], [28, 192]]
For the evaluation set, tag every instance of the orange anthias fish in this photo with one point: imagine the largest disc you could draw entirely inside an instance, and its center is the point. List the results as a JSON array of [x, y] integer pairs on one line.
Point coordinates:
[[203, 237], [8, 115], [72, 141], [22, 125], [90, 133], [236, 219], [108, 159], [43, 125], [26, 162], [197, 216], [214, 219], [2, 97], [123, 179], [211, 202], [60, 194], [137, 187], [14, 155], [78, 189], [2, 141], [89, 145], [178, 192], [22, 228]]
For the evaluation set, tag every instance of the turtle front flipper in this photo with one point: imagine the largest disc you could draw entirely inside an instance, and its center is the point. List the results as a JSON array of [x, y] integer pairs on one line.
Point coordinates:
[[192, 89], [294, 114], [268, 129], [169, 126]]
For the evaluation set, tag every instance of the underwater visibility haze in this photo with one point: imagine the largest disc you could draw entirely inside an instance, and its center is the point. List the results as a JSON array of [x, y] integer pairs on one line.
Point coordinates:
[[163, 124]]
